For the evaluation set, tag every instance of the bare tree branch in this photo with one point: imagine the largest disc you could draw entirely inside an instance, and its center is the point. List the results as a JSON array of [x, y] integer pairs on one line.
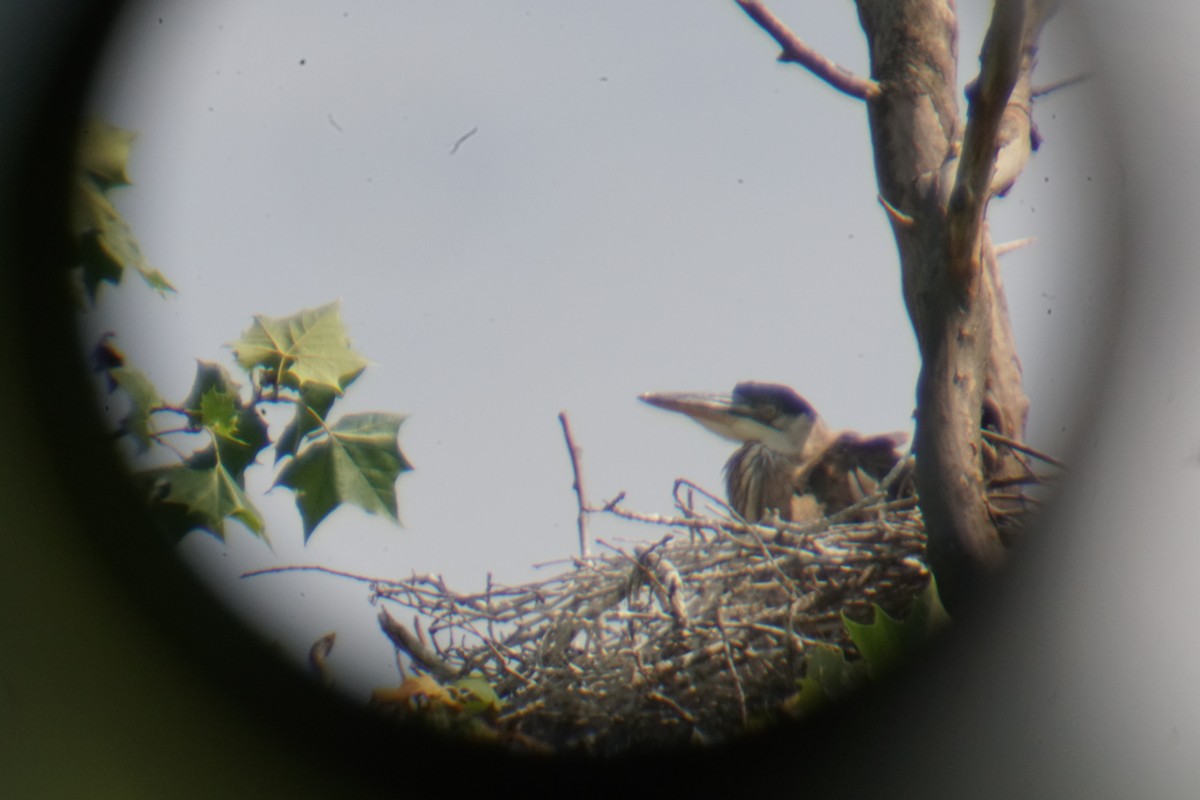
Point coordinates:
[[971, 377], [797, 51], [313, 568], [937, 177], [581, 520]]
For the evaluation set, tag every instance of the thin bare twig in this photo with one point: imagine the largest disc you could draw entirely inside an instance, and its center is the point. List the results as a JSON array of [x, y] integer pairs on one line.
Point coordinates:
[[1021, 447], [576, 470], [1050, 88], [1015, 244], [671, 704], [733, 672], [797, 51], [311, 568]]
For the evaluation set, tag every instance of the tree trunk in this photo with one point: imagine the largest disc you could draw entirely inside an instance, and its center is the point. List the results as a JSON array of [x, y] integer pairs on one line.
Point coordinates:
[[935, 178]]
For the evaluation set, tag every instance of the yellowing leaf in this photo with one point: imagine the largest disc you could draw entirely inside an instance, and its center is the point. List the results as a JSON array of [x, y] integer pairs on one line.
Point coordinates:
[[414, 691], [104, 152], [476, 695], [106, 244]]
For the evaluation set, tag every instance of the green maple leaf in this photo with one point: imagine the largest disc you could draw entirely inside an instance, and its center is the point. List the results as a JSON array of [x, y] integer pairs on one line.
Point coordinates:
[[211, 379], [218, 412], [206, 497], [106, 244], [308, 348], [827, 676], [142, 392], [237, 431], [827, 664], [888, 642], [358, 462]]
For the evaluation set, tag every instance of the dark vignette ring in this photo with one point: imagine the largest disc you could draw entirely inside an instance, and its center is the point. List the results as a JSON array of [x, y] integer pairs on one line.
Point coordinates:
[[361, 751]]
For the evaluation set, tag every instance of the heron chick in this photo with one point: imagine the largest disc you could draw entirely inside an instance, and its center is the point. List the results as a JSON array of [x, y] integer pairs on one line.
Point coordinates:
[[790, 464]]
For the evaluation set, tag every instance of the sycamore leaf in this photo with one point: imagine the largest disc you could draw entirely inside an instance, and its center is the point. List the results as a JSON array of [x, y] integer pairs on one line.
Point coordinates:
[[144, 396], [810, 697], [827, 664], [358, 462], [218, 412], [884, 643], [308, 348], [311, 411], [888, 642], [97, 263], [104, 152], [209, 497], [107, 246], [155, 279], [210, 376], [239, 434], [827, 676]]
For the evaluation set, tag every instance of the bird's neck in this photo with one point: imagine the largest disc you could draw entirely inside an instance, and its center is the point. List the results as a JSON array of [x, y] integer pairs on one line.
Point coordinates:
[[820, 436], [804, 441]]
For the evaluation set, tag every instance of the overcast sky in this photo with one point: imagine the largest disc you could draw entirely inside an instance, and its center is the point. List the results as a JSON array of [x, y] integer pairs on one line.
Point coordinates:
[[647, 201]]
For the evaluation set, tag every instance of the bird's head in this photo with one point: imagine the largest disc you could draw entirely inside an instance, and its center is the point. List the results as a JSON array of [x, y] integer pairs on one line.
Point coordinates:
[[769, 413]]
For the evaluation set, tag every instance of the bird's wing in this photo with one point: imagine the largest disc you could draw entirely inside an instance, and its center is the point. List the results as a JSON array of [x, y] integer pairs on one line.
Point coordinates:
[[852, 467], [875, 455]]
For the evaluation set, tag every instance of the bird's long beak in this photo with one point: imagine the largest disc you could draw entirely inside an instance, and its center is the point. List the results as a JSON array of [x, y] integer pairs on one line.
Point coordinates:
[[717, 412]]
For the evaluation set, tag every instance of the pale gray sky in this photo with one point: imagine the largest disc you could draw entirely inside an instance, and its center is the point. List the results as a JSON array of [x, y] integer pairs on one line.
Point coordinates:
[[649, 202]]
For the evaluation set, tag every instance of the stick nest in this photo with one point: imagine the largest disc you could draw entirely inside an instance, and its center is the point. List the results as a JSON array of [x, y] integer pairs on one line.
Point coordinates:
[[690, 638]]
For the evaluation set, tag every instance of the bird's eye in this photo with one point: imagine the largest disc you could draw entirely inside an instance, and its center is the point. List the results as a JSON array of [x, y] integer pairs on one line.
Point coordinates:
[[770, 412]]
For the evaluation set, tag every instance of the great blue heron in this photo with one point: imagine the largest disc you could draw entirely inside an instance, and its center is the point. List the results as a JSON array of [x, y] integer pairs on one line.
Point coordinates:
[[790, 463]]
